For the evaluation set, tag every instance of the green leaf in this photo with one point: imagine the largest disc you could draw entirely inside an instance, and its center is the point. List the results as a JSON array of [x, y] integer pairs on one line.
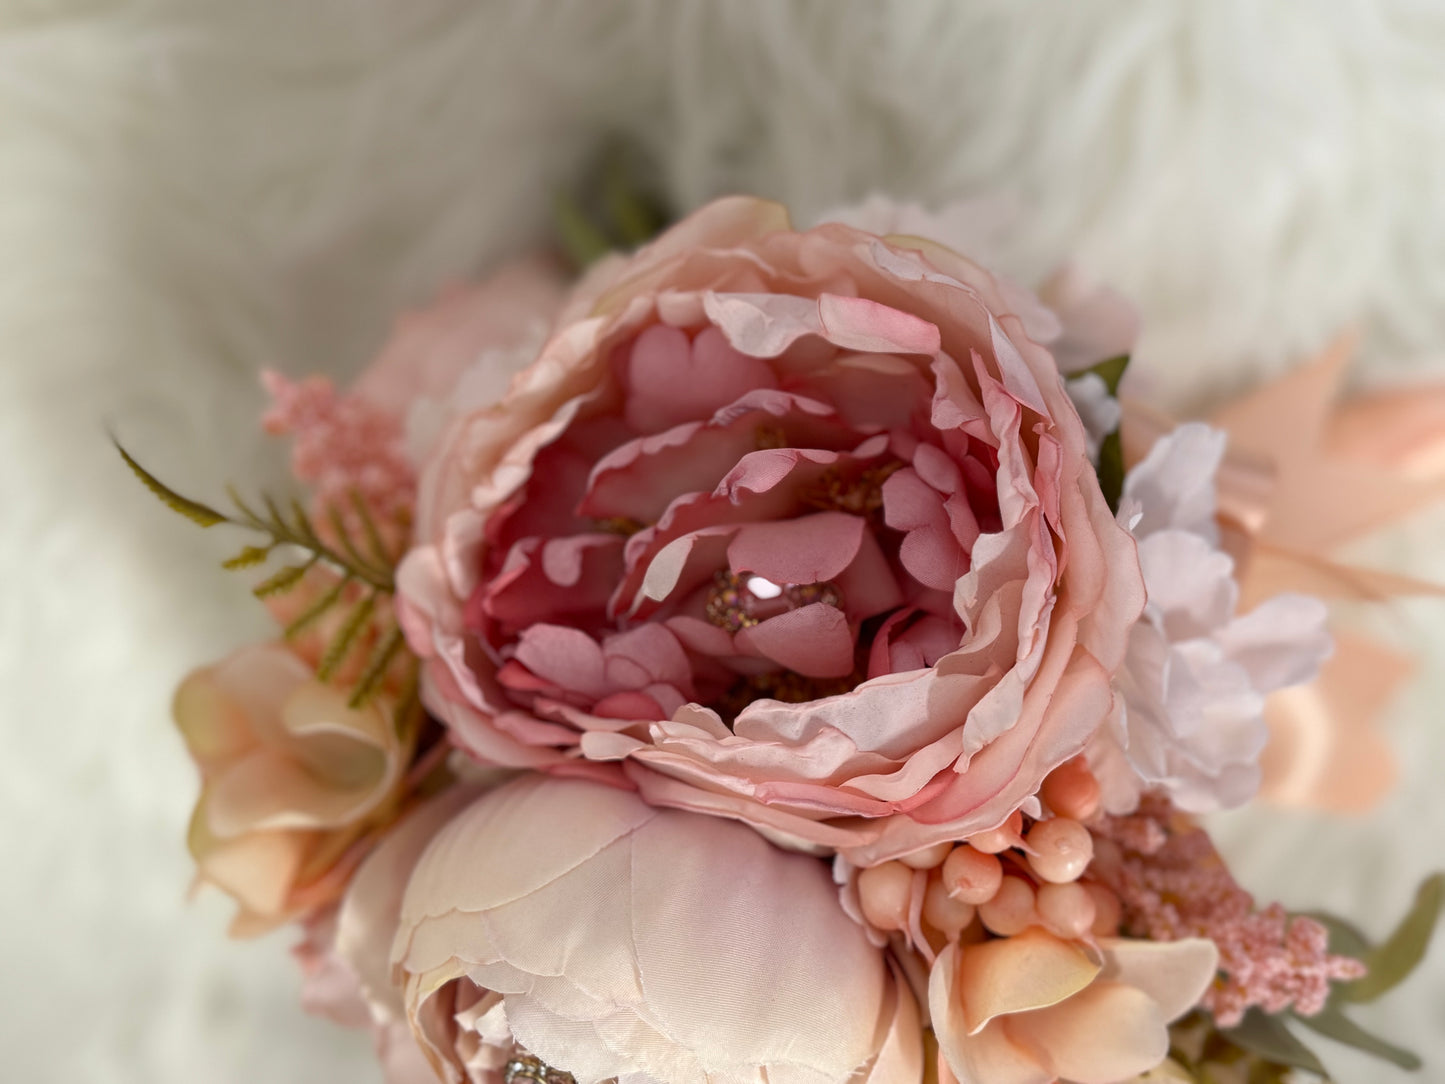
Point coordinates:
[[1336, 1025], [1346, 939], [635, 219], [319, 607], [583, 242], [281, 581], [251, 555], [302, 534], [1391, 962], [198, 513], [357, 559], [376, 666], [1267, 1037], [336, 651], [1110, 371], [368, 525], [1111, 449], [1111, 469]]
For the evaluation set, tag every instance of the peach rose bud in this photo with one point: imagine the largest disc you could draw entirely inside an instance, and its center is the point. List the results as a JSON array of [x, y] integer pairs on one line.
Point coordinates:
[[289, 777], [1033, 1008]]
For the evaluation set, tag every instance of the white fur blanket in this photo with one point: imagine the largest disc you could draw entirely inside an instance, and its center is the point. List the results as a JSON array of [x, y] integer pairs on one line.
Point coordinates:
[[192, 189]]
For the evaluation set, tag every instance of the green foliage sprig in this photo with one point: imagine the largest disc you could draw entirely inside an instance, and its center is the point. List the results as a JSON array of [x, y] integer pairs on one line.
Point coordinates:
[[616, 208], [364, 567], [1111, 449]]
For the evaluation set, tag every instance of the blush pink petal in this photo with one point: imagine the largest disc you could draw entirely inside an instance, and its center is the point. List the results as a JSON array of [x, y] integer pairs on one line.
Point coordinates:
[[765, 325], [601, 991]]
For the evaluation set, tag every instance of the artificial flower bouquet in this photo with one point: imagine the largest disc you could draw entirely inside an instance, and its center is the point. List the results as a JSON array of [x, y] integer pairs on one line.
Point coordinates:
[[776, 656]]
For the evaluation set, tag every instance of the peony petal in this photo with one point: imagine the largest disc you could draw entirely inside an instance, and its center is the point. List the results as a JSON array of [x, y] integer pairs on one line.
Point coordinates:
[[567, 658], [766, 325], [601, 990], [672, 379], [366, 923], [814, 641], [810, 549]]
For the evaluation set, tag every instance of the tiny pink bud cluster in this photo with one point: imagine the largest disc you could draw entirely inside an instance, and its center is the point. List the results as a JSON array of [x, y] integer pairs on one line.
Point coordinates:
[[1173, 884]]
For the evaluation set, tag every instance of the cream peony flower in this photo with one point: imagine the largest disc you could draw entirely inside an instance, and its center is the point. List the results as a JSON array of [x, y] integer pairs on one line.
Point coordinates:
[[1194, 679], [1034, 1009], [611, 939], [290, 776]]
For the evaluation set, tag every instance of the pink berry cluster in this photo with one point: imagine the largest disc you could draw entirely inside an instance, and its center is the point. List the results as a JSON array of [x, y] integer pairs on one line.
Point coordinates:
[[1173, 884], [347, 448]]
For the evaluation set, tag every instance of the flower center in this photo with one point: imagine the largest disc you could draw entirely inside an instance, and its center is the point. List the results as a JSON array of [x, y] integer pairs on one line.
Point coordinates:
[[860, 493], [523, 1068], [739, 601]]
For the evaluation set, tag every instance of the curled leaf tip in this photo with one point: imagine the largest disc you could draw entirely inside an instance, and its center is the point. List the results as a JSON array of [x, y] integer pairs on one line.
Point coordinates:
[[201, 514]]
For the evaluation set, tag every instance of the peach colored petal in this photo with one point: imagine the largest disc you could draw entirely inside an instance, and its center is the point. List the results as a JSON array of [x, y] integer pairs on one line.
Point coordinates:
[[1014, 974], [1174, 973], [1104, 1034]]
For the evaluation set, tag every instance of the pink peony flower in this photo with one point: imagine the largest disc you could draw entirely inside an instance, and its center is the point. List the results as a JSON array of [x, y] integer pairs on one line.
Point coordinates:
[[577, 925], [1193, 684], [1034, 1008], [798, 527], [291, 780]]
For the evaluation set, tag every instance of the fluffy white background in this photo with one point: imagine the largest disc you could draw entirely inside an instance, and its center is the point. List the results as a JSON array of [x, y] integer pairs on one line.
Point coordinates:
[[192, 189]]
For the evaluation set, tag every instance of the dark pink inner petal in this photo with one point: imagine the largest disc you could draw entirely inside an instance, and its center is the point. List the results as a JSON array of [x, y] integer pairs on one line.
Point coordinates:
[[641, 477], [811, 549], [814, 641], [765, 486], [567, 658], [572, 576], [715, 528], [671, 379], [911, 640]]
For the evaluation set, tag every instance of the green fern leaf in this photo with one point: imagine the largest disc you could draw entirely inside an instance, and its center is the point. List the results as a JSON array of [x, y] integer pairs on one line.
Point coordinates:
[[377, 665], [354, 555], [341, 643], [373, 536], [198, 513], [282, 581], [319, 607], [251, 555], [248, 514]]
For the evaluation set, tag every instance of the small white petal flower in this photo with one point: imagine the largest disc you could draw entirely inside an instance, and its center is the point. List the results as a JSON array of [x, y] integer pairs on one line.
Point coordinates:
[[1192, 688]]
